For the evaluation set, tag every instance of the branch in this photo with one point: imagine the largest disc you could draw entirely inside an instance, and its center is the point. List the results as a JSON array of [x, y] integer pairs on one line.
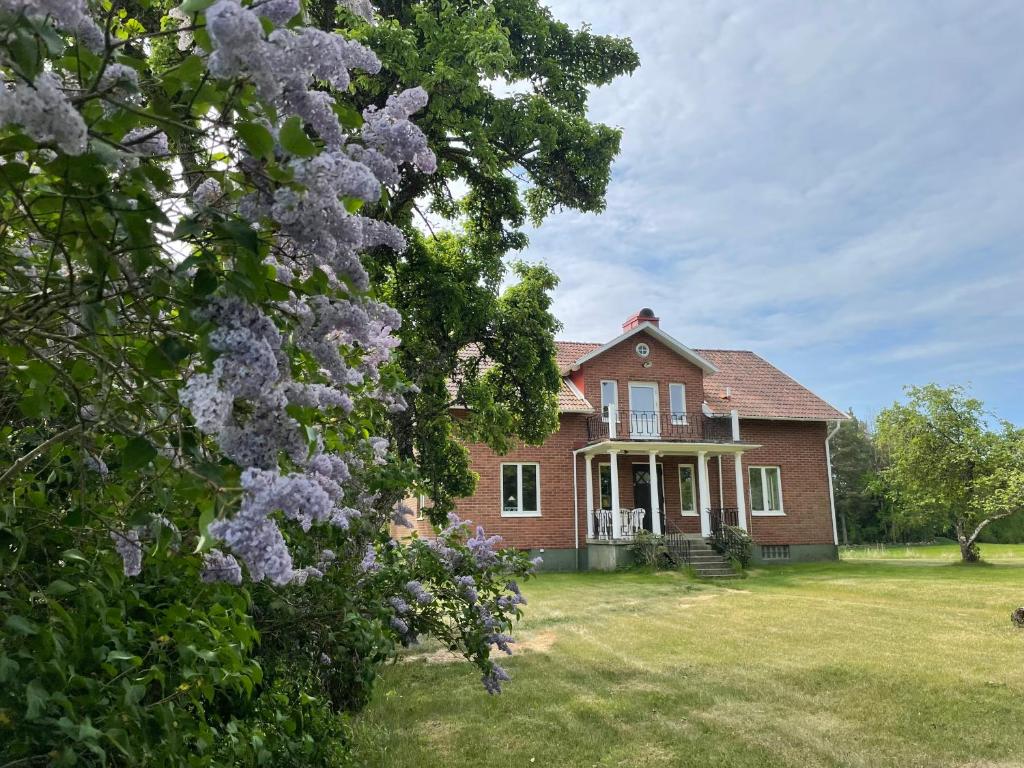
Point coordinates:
[[17, 466]]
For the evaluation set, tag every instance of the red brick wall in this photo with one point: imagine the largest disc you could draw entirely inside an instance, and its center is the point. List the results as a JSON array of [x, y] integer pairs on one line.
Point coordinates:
[[624, 365], [798, 449], [554, 527]]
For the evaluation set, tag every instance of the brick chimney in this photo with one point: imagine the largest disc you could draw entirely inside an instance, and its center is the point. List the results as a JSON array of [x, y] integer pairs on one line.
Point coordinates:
[[645, 315]]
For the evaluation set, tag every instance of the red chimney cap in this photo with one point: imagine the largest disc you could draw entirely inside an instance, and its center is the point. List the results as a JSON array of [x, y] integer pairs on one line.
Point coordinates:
[[645, 315]]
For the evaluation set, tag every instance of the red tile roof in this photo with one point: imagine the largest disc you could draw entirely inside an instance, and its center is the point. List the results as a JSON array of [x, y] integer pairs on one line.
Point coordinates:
[[571, 351], [569, 400], [757, 388]]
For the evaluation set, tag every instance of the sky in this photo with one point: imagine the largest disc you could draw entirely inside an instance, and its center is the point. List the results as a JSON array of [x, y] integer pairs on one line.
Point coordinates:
[[837, 186]]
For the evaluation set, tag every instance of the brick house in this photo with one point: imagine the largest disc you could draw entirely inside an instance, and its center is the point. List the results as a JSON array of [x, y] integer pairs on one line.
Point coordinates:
[[731, 439]]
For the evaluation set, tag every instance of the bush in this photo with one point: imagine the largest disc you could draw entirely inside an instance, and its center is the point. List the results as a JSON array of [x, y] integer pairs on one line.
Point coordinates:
[[735, 544], [649, 549]]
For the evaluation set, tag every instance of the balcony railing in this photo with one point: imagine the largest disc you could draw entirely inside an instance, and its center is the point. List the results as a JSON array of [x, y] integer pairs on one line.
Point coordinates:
[[659, 425]]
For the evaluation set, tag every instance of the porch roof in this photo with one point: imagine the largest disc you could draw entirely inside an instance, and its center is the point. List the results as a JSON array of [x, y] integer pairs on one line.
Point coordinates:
[[665, 448]]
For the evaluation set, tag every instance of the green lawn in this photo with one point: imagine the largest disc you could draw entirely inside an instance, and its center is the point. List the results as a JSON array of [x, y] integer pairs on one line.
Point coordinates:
[[851, 663], [996, 553]]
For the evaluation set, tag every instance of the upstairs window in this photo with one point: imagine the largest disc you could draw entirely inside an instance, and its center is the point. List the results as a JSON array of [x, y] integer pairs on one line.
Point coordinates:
[[609, 398], [520, 490], [677, 403], [765, 491]]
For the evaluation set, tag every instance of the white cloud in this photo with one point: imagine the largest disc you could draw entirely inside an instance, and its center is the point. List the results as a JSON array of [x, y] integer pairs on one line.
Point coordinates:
[[835, 185]]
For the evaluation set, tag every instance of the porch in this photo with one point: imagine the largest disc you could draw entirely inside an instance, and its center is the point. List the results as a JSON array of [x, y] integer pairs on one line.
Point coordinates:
[[676, 454]]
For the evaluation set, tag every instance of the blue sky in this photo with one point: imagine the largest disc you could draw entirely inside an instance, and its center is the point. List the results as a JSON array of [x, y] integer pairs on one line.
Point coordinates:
[[838, 186]]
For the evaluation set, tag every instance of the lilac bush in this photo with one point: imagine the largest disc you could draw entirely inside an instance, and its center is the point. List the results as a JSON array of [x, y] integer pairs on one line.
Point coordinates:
[[197, 382]]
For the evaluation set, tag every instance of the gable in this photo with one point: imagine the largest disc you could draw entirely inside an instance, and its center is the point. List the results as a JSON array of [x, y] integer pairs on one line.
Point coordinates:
[[654, 331]]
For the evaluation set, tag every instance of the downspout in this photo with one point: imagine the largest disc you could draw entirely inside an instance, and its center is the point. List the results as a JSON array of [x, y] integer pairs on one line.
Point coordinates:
[[831, 493], [576, 506]]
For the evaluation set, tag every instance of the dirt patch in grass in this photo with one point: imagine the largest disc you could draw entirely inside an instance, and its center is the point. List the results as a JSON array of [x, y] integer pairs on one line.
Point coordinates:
[[537, 643]]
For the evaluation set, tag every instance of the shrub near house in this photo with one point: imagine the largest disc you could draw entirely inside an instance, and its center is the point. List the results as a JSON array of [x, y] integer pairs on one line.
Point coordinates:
[[732, 440]]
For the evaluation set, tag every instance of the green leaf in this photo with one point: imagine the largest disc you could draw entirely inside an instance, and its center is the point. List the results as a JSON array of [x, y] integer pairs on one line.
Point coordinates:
[[137, 453], [60, 588], [207, 515], [258, 140], [294, 139], [36, 698], [205, 282], [195, 6], [20, 625], [241, 233], [124, 656]]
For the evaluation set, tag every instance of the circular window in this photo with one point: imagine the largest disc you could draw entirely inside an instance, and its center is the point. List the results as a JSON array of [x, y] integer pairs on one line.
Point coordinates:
[[643, 350]]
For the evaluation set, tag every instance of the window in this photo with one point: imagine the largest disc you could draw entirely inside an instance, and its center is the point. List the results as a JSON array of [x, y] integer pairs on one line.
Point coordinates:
[[643, 350], [520, 490], [609, 398], [775, 551], [687, 490], [644, 421], [765, 491], [604, 476], [677, 403], [421, 503]]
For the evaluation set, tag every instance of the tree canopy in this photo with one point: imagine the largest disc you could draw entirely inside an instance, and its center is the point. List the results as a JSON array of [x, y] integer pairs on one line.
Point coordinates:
[[507, 121], [196, 379], [946, 467]]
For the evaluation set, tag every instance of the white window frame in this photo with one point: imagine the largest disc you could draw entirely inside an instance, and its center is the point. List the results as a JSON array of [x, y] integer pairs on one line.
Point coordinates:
[[615, 387], [600, 467], [695, 512], [657, 411], [781, 511], [519, 489], [421, 502], [678, 418]]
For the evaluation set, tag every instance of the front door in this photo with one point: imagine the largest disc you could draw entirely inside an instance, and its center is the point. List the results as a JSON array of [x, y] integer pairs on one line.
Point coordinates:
[[642, 493]]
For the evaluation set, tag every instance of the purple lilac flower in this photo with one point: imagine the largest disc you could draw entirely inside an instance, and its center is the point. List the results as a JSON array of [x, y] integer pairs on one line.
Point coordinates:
[[369, 562], [422, 596], [218, 566], [492, 681], [44, 112], [128, 547]]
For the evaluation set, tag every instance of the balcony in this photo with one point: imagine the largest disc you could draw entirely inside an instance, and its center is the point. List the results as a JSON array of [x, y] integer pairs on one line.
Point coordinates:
[[663, 426]]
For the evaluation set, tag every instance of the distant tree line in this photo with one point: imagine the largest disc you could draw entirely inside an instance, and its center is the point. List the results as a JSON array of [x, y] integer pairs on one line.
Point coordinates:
[[937, 465]]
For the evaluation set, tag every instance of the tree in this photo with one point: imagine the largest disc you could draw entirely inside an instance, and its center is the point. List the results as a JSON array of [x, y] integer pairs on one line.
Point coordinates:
[[195, 377], [855, 467], [946, 468], [508, 123]]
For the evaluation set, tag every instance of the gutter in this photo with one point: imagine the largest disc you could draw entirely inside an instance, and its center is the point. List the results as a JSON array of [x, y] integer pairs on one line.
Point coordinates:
[[576, 507], [831, 492]]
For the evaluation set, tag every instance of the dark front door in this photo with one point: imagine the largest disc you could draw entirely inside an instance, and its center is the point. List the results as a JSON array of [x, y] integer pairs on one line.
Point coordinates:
[[642, 493]]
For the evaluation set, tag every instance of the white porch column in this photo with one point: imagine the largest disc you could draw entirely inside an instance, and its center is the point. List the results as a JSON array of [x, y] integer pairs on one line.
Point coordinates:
[[704, 492], [655, 493], [741, 503], [590, 495], [616, 517]]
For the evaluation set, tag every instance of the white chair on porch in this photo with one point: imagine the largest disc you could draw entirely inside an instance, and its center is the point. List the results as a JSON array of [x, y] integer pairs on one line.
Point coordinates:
[[636, 520], [625, 523], [604, 523]]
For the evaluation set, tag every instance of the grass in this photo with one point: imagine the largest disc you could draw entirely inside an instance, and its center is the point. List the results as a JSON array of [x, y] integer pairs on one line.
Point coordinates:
[[993, 553], [850, 663]]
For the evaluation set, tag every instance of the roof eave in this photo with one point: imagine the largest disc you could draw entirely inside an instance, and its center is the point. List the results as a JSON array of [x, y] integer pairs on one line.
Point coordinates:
[[676, 346]]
